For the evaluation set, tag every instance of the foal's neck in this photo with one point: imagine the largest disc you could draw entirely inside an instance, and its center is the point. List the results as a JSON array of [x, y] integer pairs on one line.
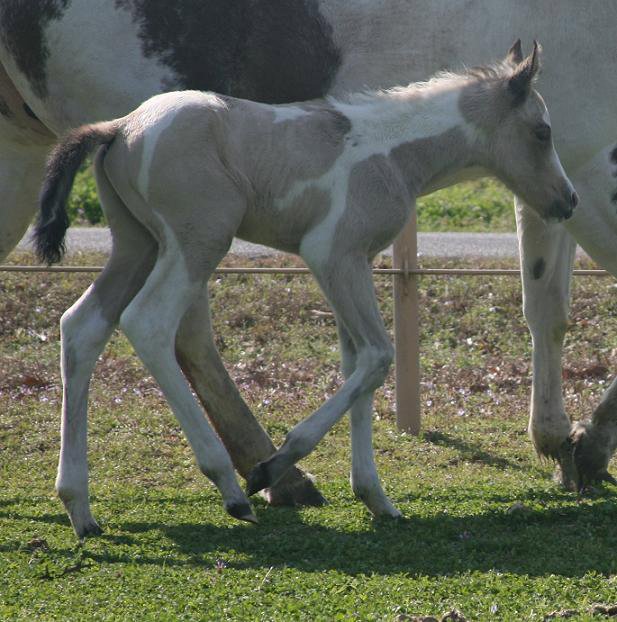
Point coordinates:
[[420, 128]]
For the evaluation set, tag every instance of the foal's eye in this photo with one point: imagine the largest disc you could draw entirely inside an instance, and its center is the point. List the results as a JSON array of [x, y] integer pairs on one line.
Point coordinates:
[[543, 132]]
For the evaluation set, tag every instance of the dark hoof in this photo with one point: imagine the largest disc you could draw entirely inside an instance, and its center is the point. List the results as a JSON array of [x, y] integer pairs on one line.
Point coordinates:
[[584, 457], [294, 489], [242, 511], [567, 472], [258, 479], [89, 531]]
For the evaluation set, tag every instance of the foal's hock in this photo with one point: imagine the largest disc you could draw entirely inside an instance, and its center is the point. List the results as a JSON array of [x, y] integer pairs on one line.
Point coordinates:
[[332, 180]]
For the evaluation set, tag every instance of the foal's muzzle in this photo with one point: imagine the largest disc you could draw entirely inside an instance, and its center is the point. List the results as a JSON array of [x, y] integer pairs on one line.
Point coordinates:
[[563, 210]]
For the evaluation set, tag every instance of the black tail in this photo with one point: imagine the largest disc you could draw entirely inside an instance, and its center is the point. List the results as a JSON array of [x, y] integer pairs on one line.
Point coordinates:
[[62, 166]]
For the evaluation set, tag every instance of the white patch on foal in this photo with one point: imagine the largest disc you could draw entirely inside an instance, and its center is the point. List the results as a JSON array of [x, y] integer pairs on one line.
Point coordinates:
[[378, 125], [158, 114]]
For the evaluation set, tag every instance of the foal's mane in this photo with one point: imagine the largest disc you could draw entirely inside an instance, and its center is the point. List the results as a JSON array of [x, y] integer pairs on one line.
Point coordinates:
[[487, 74]]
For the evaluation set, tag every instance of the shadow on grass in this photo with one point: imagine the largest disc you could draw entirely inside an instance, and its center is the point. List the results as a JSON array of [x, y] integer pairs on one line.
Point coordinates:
[[470, 452], [569, 541]]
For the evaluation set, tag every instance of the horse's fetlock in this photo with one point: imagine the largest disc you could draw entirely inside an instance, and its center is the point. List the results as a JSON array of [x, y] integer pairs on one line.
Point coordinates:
[[361, 491], [69, 493]]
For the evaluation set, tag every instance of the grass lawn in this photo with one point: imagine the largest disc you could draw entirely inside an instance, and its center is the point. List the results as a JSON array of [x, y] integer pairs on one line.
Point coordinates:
[[484, 205], [485, 532]]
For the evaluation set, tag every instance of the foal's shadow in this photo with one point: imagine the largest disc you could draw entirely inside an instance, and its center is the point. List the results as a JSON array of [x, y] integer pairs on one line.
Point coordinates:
[[533, 543]]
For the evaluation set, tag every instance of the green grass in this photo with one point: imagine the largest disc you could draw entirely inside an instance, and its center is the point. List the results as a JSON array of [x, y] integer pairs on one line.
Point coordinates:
[[483, 205], [169, 551], [83, 206]]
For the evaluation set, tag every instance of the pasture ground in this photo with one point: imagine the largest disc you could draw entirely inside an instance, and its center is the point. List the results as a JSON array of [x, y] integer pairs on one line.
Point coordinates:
[[486, 531]]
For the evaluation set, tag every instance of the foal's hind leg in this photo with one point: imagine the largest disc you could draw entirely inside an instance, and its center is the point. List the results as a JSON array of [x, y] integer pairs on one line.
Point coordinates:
[[151, 322], [364, 478], [85, 329], [347, 283], [245, 440]]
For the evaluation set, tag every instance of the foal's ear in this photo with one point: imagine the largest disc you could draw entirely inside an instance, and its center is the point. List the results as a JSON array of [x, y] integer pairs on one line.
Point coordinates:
[[515, 54], [519, 83]]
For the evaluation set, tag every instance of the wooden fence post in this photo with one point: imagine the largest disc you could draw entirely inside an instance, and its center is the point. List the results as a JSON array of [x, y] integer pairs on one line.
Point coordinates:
[[406, 333]]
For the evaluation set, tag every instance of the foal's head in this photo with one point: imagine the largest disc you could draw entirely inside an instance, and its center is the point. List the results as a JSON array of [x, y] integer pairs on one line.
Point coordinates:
[[515, 133]]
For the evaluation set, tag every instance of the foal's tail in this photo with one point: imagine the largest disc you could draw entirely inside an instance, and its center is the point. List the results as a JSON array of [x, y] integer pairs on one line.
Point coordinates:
[[62, 166]]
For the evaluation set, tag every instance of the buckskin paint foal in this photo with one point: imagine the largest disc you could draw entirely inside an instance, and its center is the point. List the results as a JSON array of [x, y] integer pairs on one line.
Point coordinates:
[[332, 180]]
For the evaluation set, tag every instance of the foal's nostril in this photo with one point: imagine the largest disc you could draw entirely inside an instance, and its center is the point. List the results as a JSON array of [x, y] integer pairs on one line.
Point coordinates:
[[574, 200]]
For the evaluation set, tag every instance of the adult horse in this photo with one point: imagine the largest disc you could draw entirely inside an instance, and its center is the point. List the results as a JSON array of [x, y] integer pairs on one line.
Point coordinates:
[[67, 62]]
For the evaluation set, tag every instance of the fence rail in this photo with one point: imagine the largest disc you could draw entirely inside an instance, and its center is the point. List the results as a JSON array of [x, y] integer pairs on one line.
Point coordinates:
[[257, 270]]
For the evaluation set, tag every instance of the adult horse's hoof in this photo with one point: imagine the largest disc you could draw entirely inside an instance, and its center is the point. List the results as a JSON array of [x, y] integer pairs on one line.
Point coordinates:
[[259, 478], [584, 457], [293, 489]]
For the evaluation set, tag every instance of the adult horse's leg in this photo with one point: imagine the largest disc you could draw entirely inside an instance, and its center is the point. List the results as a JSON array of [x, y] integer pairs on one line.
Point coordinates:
[[21, 172], [245, 439], [595, 228], [582, 450], [24, 143], [547, 253], [347, 283], [364, 478]]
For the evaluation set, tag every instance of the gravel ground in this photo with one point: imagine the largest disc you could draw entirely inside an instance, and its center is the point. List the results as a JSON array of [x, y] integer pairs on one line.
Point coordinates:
[[488, 245]]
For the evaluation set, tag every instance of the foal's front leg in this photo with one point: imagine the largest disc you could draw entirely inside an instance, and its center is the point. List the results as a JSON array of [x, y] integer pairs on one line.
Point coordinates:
[[364, 478], [347, 283]]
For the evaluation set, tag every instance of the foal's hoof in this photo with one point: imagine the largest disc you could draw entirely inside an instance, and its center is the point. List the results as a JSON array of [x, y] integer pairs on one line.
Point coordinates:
[[258, 479], [242, 511]]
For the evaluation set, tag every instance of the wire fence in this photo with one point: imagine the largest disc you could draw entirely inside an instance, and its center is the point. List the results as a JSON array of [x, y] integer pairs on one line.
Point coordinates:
[[265, 270]]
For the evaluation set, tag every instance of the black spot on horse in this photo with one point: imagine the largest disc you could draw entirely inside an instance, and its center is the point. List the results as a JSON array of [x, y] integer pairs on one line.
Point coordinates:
[[5, 111], [272, 51], [614, 197], [30, 112], [22, 29], [538, 268], [614, 156]]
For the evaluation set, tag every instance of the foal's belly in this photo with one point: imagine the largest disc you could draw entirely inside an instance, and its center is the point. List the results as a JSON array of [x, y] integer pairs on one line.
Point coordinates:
[[283, 224]]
